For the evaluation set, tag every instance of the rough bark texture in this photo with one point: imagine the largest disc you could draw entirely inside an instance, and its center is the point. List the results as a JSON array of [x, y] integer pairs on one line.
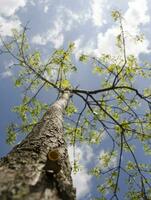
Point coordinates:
[[26, 173]]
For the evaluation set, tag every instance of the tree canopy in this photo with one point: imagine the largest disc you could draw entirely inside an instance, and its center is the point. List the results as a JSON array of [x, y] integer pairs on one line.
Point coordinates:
[[119, 109]]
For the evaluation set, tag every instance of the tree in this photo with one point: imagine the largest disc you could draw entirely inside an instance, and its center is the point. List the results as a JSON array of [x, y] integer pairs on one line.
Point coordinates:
[[26, 173], [116, 110]]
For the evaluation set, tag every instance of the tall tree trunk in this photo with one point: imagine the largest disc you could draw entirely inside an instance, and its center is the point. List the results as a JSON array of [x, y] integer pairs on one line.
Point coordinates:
[[38, 168]]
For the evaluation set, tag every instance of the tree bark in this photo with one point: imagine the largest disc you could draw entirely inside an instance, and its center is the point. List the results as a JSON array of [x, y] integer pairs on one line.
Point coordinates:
[[38, 168]]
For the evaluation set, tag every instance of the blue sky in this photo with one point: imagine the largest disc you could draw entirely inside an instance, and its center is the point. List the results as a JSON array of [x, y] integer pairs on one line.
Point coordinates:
[[53, 24]]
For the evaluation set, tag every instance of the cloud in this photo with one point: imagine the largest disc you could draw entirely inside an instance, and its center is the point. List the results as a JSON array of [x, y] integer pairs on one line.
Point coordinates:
[[106, 43], [8, 19], [98, 7], [6, 74], [53, 35], [63, 21], [45, 4], [73, 19], [82, 179], [6, 25], [46, 7], [82, 48], [9, 7], [135, 16]]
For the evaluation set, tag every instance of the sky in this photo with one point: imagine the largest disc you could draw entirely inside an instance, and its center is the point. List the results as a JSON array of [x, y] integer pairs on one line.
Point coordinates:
[[54, 24]]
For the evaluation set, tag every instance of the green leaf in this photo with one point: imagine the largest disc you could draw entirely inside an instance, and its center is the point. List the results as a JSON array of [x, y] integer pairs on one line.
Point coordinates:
[[18, 82], [96, 171], [119, 41], [76, 166], [97, 70], [34, 59], [116, 15], [147, 149], [111, 67], [11, 134], [72, 46], [95, 137], [83, 58], [65, 84], [71, 109]]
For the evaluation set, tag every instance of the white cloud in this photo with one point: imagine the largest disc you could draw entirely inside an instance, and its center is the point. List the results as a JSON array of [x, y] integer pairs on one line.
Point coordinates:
[[135, 16], [80, 48], [9, 7], [72, 19], [81, 179], [53, 35], [38, 39], [98, 7], [6, 74], [78, 43], [46, 7], [106, 43], [44, 4], [63, 22], [6, 25]]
